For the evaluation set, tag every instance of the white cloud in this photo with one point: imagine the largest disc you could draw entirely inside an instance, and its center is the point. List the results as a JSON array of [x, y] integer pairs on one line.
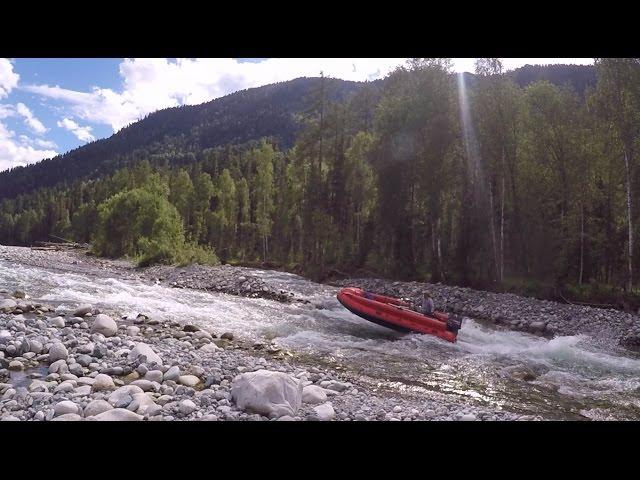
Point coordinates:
[[21, 110], [82, 133], [153, 84], [8, 78], [13, 154], [32, 122], [45, 143]]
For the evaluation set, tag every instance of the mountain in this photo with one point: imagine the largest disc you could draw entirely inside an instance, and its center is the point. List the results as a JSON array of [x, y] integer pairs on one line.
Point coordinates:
[[273, 111], [181, 134], [578, 76]]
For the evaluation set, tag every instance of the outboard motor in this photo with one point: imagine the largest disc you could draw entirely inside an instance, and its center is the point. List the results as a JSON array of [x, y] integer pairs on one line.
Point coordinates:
[[454, 322]]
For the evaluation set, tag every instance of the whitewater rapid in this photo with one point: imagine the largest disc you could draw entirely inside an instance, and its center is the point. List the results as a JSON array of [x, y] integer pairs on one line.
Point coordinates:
[[573, 378]]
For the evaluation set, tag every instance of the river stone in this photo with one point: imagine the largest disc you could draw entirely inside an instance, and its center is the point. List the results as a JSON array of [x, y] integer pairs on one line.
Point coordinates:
[[187, 407], [324, 412], [82, 310], [5, 335], [64, 387], [7, 305], [58, 352], [15, 365], [313, 394], [57, 322], [188, 380], [67, 417], [519, 372], [338, 386], [118, 415], [144, 401], [96, 407], [132, 330], [172, 374], [267, 392], [64, 407], [153, 376], [122, 394], [467, 417], [227, 336], [102, 382], [209, 347], [147, 351], [104, 325], [145, 385], [36, 346]]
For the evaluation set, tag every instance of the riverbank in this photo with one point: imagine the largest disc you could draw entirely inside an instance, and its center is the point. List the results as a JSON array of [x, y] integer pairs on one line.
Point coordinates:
[[503, 310], [493, 372]]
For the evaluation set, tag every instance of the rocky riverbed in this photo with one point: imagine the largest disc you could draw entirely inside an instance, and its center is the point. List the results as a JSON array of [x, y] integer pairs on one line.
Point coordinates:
[[161, 352], [70, 365]]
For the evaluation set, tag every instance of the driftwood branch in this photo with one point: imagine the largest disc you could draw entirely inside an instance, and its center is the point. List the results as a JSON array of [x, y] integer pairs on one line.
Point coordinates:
[[596, 305]]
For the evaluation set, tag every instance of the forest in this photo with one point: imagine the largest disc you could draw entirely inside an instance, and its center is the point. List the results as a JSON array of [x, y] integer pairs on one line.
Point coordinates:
[[485, 181]]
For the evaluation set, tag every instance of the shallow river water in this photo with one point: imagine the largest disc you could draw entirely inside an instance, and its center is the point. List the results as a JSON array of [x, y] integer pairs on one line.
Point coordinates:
[[574, 378]]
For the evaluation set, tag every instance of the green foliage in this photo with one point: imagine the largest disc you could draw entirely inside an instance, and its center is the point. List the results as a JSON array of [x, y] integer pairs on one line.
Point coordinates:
[[386, 181], [142, 224]]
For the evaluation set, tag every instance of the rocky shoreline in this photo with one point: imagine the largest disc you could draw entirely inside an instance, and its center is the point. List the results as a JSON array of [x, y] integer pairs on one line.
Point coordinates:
[[59, 365], [506, 310]]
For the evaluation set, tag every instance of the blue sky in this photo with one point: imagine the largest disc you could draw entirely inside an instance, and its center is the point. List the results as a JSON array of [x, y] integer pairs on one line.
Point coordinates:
[[51, 106]]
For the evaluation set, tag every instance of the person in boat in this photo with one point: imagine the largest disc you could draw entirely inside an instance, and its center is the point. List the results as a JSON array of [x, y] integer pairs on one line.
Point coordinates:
[[424, 304]]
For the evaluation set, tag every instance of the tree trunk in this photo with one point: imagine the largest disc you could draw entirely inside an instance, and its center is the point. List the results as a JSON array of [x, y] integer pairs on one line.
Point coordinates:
[[581, 244], [630, 222], [493, 230], [501, 277]]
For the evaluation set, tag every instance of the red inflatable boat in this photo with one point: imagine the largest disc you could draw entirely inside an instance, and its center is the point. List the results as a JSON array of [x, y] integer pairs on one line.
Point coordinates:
[[394, 313]]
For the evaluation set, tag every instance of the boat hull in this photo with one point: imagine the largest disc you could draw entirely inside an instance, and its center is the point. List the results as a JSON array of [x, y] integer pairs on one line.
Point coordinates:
[[395, 314]]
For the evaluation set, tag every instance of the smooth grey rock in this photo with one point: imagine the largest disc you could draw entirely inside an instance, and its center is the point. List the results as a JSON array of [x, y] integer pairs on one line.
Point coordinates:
[[188, 380], [172, 374], [154, 376], [57, 322], [147, 351], [123, 393], [58, 351], [313, 394], [267, 392], [118, 415], [324, 412], [65, 407], [67, 417], [104, 325], [145, 385], [102, 382], [82, 310], [96, 407], [187, 407]]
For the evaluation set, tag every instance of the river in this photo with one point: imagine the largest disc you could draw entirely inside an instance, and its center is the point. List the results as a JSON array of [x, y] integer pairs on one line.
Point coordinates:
[[574, 378]]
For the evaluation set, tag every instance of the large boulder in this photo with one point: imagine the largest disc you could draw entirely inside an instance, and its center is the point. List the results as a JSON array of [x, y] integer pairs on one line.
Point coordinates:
[[104, 325], [273, 394], [118, 415], [143, 349]]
